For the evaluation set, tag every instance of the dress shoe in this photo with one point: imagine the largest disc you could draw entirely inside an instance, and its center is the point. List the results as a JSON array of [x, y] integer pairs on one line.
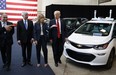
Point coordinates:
[[24, 64], [56, 64], [38, 65], [60, 61], [45, 65], [8, 69], [4, 66], [30, 64]]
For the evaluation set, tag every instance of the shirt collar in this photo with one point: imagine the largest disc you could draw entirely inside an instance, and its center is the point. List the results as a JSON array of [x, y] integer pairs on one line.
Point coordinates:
[[24, 20], [3, 22]]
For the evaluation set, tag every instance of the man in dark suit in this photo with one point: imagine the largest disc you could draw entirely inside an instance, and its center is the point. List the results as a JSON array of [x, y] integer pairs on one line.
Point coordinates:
[[6, 40], [25, 38], [57, 36]]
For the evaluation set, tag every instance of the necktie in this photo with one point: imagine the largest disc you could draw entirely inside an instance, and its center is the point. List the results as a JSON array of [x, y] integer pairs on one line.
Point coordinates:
[[25, 24], [58, 28]]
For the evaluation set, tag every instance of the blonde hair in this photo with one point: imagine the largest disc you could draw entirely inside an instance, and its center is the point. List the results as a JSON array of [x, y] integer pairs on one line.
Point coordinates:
[[56, 12], [40, 16]]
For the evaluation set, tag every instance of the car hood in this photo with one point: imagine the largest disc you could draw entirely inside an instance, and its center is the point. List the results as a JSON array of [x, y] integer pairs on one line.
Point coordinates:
[[87, 39]]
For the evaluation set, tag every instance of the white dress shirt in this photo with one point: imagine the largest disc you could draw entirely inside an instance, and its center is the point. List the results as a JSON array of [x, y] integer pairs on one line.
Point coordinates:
[[41, 26], [25, 23]]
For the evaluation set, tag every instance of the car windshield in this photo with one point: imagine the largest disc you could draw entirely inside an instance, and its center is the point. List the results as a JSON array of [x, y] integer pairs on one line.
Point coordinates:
[[94, 29]]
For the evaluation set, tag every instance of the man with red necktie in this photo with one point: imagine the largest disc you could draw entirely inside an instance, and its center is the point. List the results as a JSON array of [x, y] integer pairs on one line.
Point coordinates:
[[57, 36]]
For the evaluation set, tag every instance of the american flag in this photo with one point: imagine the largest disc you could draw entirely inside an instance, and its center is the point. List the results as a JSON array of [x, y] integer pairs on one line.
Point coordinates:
[[14, 8]]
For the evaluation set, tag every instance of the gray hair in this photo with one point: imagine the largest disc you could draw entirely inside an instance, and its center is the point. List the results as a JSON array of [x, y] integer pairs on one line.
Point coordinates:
[[24, 13]]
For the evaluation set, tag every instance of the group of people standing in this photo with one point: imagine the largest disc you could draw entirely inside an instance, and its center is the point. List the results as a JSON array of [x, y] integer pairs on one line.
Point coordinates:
[[28, 33]]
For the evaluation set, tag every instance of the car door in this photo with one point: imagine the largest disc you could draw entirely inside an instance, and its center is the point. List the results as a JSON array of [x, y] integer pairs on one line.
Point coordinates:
[[114, 35]]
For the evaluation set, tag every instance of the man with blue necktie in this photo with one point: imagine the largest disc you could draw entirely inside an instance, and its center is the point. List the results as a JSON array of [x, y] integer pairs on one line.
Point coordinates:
[[25, 38]]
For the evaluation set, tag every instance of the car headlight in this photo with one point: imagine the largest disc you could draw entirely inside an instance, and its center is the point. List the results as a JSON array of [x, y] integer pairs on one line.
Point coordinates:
[[101, 47]]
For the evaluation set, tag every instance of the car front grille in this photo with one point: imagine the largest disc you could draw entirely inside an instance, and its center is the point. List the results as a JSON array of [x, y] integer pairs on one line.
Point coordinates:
[[80, 46], [80, 56]]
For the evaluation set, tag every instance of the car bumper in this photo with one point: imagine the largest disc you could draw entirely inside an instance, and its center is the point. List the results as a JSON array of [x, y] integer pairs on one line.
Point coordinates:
[[86, 56]]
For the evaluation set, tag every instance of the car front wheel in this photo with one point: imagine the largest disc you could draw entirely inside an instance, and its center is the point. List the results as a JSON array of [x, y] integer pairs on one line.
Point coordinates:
[[110, 60]]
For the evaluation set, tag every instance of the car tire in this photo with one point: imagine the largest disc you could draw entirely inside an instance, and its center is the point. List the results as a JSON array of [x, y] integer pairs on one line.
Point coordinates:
[[110, 60]]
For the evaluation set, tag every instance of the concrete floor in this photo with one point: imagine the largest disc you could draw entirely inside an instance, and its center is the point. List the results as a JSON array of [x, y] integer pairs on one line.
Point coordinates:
[[69, 67]]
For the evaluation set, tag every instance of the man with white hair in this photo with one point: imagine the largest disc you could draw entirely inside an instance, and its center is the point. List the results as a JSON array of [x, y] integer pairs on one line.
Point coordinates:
[[25, 38], [57, 36]]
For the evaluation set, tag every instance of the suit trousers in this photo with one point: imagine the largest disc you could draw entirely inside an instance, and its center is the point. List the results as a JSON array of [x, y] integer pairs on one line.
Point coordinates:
[[6, 54], [57, 47], [26, 51], [42, 43]]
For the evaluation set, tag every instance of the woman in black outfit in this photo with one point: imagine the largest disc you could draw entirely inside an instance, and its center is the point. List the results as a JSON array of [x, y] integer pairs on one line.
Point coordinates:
[[40, 37]]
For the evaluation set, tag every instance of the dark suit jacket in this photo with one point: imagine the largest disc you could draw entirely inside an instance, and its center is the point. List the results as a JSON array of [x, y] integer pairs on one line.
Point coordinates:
[[22, 34], [37, 30], [53, 31], [2, 29], [6, 37]]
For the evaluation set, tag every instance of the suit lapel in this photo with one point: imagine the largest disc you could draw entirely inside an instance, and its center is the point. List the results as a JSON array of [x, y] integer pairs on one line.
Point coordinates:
[[60, 25], [23, 26], [0, 24], [55, 21], [28, 25], [39, 27]]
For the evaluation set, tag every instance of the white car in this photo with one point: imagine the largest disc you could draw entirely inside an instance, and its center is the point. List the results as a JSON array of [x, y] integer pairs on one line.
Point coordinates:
[[93, 43]]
